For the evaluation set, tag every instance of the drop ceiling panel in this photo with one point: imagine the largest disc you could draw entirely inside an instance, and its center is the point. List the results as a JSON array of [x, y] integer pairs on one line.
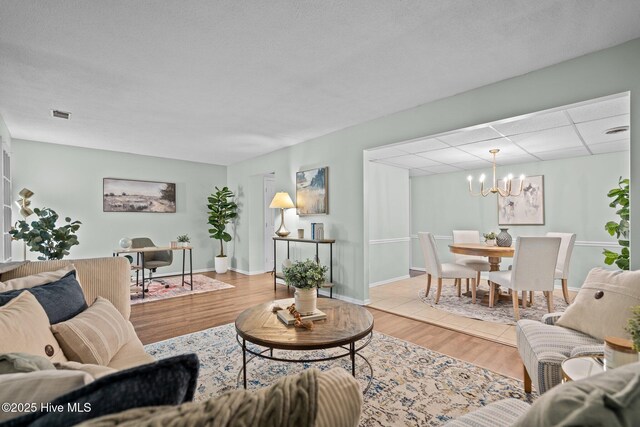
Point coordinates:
[[478, 164], [442, 169], [594, 132], [449, 155], [548, 140], [419, 172], [563, 154], [384, 153], [600, 110], [409, 161], [481, 149], [534, 123], [421, 145], [611, 147], [469, 136], [511, 160]]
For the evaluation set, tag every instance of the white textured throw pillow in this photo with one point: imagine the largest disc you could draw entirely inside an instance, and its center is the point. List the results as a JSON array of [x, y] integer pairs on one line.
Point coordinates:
[[603, 304]]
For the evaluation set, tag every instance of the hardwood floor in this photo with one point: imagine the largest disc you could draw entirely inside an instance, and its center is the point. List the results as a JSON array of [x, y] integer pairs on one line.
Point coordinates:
[[159, 320]]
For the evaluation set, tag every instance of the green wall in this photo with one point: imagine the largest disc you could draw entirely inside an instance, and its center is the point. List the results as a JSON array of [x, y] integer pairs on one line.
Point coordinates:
[[606, 72], [575, 201], [69, 180], [387, 210]]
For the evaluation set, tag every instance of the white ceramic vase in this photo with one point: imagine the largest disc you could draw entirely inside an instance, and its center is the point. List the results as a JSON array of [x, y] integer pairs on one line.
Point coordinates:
[[222, 264], [305, 300]]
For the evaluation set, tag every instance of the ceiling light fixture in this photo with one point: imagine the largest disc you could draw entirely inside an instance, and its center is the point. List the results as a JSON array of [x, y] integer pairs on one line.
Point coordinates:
[[61, 114], [617, 129], [508, 182]]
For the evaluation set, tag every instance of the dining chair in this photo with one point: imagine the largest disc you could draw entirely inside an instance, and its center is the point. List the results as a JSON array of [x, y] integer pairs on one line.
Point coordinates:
[[534, 265], [476, 263], [441, 271], [564, 258]]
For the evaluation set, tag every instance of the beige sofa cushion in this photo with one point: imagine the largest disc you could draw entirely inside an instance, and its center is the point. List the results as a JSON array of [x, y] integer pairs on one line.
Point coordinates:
[[96, 371], [107, 277], [34, 388], [35, 279], [24, 328], [603, 304], [131, 354], [95, 335]]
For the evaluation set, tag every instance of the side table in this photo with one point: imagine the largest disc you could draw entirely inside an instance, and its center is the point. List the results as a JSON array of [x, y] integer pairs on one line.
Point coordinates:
[[577, 368]]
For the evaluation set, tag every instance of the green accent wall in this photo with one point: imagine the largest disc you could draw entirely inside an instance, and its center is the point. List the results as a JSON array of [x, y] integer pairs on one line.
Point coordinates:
[[602, 73], [69, 180], [575, 199]]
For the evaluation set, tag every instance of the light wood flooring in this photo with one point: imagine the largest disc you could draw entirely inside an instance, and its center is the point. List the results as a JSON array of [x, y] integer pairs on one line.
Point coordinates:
[[159, 320]]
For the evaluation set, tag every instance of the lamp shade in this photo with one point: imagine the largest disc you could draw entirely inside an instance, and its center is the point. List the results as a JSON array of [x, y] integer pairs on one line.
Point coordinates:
[[282, 201]]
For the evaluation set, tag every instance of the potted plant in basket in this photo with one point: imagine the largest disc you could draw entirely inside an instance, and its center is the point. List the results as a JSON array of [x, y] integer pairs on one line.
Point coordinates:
[[183, 240], [45, 237], [306, 277], [222, 209], [490, 238]]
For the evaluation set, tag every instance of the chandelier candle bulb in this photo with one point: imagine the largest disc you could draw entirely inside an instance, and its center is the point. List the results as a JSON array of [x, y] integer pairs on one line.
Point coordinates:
[[508, 182]]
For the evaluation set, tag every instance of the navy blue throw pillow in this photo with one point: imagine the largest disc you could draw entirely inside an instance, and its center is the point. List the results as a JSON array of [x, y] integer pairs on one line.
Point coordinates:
[[170, 381], [61, 300]]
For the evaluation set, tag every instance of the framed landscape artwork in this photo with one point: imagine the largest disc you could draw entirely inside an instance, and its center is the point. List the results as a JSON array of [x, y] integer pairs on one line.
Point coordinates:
[[129, 195], [312, 194], [526, 208]]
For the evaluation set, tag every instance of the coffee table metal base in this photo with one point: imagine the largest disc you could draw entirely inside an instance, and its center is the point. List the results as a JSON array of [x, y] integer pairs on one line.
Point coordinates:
[[351, 351]]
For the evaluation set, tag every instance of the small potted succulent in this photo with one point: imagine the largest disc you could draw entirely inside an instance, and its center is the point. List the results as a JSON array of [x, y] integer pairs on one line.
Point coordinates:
[[490, 238], [306, 276], [183, 240]]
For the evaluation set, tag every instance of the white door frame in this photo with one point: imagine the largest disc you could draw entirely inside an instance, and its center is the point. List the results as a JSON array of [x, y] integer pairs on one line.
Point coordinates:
[[269, 190]]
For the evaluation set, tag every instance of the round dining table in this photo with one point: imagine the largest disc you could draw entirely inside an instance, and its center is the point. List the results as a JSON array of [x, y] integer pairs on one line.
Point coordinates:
[[493, 253]]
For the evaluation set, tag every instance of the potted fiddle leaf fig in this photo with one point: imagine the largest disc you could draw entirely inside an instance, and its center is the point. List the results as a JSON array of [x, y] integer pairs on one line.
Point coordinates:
[[620, 229], [45, 237], [222, 209]]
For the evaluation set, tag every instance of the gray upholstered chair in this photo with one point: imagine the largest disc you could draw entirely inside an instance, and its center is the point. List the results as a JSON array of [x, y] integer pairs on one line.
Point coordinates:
[[442, 271], [153, 260]]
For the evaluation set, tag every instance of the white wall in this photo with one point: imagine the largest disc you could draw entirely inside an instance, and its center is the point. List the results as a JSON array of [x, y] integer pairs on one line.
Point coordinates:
[[387, 192], [69, 180]]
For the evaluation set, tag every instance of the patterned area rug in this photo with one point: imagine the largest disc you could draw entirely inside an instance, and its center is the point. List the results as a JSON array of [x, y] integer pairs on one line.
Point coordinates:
[[411, 386], [502, 312], [201, 283]]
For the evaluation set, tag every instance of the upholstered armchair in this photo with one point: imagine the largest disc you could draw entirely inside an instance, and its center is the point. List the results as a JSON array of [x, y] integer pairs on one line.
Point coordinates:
[[544, 345]]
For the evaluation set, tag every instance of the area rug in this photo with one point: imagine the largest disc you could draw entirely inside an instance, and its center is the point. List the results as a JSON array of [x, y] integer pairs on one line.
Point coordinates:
[[201, 284], [502, 312], [411, 385]]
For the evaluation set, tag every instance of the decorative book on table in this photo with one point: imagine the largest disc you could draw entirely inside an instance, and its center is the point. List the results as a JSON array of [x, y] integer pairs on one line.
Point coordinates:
[[317, 231], [288, 319]]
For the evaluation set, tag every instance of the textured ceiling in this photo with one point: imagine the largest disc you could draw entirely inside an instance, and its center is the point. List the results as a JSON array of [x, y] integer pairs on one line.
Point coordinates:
[[569, 131], [222, 81]]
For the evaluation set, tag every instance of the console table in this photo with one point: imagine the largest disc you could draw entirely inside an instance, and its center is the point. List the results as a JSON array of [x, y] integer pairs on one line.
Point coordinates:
[[279, 275], [139, 266]]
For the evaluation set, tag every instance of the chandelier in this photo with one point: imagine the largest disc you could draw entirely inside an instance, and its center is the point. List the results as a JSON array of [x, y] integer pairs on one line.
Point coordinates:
[[506, 191]]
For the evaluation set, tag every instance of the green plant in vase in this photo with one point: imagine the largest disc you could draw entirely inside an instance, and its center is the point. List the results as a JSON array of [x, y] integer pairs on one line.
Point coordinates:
[[45, 237], [306, 276], [222, 209], [633, 327], [620, 229]]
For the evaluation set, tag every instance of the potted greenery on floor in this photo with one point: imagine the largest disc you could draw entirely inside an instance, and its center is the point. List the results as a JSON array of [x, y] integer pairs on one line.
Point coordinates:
[[306, 277], [222, 209]]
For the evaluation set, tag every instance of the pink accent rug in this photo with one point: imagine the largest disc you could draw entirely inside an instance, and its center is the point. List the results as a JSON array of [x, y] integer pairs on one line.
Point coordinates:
[[201, 284]]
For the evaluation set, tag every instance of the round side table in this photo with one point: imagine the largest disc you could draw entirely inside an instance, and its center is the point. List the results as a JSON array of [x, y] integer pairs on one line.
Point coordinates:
[[577, 368]]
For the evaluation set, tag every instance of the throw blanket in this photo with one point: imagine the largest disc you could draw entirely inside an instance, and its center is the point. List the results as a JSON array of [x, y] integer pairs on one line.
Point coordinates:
[[291, 402]]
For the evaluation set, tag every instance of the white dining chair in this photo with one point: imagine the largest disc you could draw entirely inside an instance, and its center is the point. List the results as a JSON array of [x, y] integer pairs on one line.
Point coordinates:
[[477, 263], [534, 266], [440, 271], [564, 259]]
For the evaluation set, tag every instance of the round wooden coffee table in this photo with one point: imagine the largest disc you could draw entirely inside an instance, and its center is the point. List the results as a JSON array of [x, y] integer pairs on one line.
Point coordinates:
[[345, 325]]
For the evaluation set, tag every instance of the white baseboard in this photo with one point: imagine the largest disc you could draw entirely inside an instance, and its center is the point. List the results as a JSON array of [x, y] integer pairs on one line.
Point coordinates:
[[418, 268], [247, 273], [393, 279], [326, 292]]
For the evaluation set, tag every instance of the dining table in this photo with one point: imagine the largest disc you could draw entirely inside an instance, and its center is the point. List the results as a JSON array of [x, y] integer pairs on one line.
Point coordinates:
[[494, 254]]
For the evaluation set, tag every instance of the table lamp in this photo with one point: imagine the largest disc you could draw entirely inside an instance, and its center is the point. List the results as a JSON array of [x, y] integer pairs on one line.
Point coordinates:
[[282, 201]]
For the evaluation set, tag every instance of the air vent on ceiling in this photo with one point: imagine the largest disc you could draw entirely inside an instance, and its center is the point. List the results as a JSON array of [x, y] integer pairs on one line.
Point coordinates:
[[61, 114], [615, 130]]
